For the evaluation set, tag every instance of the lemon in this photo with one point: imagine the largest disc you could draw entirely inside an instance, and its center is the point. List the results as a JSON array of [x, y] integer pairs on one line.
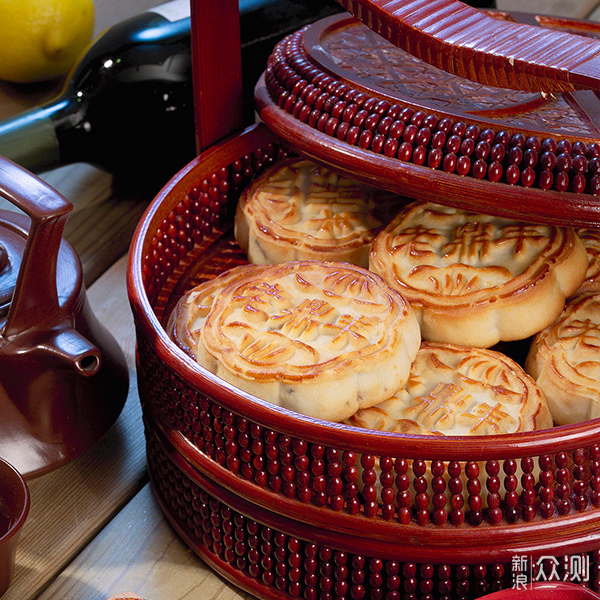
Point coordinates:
[[41, 39]]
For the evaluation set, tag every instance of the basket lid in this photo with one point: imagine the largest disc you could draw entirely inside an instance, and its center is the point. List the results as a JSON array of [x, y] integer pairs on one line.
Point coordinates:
[[419, 101]]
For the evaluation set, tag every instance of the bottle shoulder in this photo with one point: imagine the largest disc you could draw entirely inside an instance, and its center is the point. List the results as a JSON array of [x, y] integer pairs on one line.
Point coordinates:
[[147, 39]]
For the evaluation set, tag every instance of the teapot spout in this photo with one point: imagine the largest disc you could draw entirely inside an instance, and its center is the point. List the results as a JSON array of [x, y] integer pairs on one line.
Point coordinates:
[[71, 347]]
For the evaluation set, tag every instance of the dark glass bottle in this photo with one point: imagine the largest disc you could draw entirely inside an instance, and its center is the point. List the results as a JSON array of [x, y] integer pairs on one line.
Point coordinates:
[[127, 104]]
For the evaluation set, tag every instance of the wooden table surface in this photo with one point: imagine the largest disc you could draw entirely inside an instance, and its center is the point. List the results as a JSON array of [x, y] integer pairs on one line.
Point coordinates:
[[94, 529]]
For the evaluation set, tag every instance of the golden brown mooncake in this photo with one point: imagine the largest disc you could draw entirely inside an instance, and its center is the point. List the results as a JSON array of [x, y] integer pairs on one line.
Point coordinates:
[[473, 279], [591, 241], [190, 312], [298, 210], [321, 339], [454, 390], [564, 359]]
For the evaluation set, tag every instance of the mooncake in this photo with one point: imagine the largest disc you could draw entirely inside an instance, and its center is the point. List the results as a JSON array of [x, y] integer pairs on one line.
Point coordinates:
[[190, 312], [591, 241], [453, 390], [299, 210], [475, 280], [320, 338], [564, 359]]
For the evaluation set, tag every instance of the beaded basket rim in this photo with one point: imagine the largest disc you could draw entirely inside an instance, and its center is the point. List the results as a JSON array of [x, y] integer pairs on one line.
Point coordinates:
[[566, 437], [562, 535]]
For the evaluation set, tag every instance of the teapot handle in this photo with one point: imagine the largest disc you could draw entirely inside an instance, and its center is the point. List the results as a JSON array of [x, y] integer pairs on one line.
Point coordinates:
[[48, 211], [471, 44]]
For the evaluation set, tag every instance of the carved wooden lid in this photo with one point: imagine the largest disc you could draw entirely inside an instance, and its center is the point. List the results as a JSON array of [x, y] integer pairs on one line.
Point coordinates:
[[343, 95]]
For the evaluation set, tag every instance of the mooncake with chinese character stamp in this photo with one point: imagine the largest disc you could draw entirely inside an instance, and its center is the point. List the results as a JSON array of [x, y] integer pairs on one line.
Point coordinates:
[[321, 339], [298, 210], [458, 391], [591, 241], [564, 359], [475, 280], [188, 316]]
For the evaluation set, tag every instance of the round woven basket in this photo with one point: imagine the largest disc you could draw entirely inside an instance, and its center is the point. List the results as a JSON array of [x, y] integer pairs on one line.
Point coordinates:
[[286, 506]]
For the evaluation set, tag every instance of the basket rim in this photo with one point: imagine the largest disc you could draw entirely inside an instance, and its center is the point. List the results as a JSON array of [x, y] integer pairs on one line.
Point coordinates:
[[560, 532]]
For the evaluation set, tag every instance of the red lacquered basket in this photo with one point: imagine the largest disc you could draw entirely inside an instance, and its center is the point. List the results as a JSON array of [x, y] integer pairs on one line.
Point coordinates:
[[286, 506], [272, 499]]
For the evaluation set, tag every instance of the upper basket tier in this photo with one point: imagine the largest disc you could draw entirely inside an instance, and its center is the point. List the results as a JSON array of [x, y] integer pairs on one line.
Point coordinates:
[[420, 99]]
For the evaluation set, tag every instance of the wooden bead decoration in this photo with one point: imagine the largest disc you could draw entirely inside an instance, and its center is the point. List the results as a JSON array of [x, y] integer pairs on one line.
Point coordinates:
[[580, 485], [510, 485], [475, 501], [492, 468], [595, 474], [369, 477], [403, 497], [299, 568], [562, 488], [350, 471], [420, 487], [376, 577], [387, 493], [202, 210], [286, 458], [463, 587], [528, 495], [455, 486], [546, 491], [438, 488]]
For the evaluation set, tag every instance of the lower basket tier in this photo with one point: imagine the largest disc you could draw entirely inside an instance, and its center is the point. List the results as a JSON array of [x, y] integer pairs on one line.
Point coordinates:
[[272, 557]]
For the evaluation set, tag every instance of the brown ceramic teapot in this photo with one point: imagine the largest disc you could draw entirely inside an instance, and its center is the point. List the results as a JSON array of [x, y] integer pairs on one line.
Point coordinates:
[[63, 378]]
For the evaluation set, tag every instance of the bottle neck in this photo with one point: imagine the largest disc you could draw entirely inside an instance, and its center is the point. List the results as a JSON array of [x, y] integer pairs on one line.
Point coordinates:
[[30, 139]]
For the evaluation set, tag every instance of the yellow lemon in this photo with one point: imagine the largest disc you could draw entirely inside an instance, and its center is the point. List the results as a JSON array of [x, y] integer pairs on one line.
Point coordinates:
[[41, 39]]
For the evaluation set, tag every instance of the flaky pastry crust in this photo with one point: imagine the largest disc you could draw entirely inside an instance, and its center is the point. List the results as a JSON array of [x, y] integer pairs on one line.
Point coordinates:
[[564, 359], [190, 312], [591, 241], [474, 279]]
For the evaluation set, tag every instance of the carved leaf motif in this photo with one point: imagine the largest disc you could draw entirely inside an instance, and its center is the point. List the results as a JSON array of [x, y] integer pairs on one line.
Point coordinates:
[[368, 57]]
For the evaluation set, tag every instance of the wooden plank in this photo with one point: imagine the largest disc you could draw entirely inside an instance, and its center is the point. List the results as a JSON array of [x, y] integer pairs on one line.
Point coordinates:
[[139, 552], [70, 505]]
